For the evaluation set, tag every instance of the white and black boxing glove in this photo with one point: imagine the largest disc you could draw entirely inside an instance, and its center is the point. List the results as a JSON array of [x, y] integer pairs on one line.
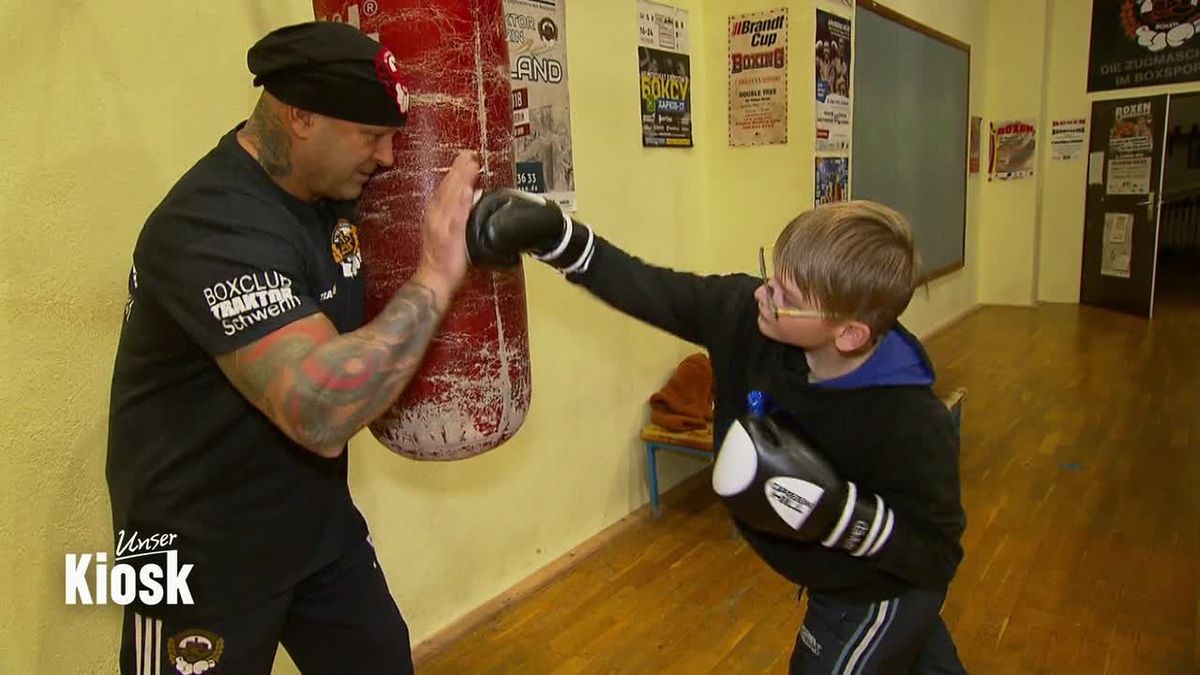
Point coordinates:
[[772, 478], [505, 223]]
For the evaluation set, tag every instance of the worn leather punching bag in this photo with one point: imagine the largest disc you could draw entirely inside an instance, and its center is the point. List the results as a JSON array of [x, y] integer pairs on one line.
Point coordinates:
[[472, 391]]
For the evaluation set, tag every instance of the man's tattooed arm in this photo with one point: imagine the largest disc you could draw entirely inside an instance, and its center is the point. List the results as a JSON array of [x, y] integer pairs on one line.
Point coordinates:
[[320, 387]]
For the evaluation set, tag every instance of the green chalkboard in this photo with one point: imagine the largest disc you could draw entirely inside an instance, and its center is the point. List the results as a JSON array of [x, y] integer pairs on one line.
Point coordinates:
[[910, 127]]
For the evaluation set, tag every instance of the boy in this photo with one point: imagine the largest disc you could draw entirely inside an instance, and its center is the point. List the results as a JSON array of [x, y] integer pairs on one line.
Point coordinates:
[[818, 335]]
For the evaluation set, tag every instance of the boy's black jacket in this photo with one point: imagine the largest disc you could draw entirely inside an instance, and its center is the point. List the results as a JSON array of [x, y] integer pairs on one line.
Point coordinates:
[[896, 441]]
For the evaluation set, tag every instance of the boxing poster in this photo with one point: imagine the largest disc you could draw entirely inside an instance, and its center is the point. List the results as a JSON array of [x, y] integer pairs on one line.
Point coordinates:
[[1067, 138], [758, 78], [665, 79], [1142, 43], [1117, 248], [832, 180], [1131, 150], [1129, 176], [832, 49], [1011, 150], [541, 102], [1132, 132], [976, 134]]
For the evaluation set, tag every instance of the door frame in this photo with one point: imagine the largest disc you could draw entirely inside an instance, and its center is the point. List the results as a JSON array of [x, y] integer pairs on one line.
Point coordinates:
[[1160, 159]]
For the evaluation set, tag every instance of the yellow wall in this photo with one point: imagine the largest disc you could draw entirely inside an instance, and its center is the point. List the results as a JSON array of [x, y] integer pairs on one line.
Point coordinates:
[[1013, 77], [109, 103], [99, 120], [752, 192], [1064, 182]]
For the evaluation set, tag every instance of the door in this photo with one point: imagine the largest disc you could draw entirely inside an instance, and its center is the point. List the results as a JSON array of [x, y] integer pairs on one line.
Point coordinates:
[[1124, 185]]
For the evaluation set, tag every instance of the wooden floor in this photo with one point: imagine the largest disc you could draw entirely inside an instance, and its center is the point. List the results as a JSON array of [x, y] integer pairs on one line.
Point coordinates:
[[1081, 479]]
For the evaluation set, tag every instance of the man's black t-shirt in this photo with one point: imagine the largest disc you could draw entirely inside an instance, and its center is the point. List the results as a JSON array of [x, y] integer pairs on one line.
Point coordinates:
[[225, 259]]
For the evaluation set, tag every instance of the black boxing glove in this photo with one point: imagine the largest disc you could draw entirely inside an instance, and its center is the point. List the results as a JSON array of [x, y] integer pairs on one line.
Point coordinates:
[[772, 478], [505, 223]]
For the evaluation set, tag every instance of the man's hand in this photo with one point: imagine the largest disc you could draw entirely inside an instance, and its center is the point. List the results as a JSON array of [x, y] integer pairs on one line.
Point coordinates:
[[443, 233]]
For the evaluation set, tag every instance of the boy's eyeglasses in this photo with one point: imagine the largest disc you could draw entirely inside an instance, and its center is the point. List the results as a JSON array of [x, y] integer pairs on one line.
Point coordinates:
[[766, 253]]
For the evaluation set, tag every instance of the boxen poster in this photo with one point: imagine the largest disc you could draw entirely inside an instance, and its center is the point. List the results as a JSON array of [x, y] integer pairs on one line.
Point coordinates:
[[1011, 150], [1131, 150], [1067, 138]]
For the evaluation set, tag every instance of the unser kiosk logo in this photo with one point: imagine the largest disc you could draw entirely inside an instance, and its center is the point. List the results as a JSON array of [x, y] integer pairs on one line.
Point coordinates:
[[90, 578]]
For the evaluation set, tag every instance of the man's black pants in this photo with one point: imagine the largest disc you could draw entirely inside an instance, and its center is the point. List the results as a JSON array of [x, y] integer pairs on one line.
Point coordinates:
[[342, 619]]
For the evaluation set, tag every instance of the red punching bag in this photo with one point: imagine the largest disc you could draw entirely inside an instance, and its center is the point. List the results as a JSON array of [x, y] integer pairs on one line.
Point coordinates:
[[472, 391]]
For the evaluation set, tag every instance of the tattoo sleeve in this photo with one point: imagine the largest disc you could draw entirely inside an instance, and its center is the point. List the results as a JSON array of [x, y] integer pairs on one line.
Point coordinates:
[[319, 387]]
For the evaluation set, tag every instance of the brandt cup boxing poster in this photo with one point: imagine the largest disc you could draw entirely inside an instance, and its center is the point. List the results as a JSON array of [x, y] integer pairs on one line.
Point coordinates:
[[665, 76], [832, 56], [1142, 43], [758, 78], [1011, 148], [537, 48]]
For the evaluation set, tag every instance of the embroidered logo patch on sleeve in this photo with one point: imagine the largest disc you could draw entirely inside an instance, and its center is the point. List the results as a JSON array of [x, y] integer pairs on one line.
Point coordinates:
[[345, 248]]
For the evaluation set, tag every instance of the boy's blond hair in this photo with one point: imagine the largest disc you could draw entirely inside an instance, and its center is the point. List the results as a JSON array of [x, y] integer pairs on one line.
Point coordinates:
[[852, 260]]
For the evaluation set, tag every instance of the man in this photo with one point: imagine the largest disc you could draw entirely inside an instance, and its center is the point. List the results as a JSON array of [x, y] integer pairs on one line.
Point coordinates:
[[244, 367]]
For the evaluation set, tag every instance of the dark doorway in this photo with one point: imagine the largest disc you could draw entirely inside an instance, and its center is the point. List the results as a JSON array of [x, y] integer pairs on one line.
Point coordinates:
[[1178, 281], [1121, 214]]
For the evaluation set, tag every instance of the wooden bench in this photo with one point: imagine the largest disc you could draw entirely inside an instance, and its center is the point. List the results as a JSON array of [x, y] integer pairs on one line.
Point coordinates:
[[699, 443]]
